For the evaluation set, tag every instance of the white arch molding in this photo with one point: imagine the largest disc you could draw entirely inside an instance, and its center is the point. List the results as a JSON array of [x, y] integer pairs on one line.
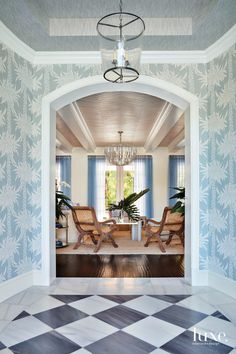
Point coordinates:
[[92, 85]]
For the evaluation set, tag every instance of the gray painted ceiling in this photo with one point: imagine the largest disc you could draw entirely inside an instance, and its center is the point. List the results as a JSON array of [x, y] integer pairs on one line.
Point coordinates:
[[29, 20]]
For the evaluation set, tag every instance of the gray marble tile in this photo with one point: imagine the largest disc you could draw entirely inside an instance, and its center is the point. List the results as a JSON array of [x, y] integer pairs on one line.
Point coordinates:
[[69, 298], [120, 298], [180, 316], [60, 316], [120, 342], [120, 316], [48, 343]]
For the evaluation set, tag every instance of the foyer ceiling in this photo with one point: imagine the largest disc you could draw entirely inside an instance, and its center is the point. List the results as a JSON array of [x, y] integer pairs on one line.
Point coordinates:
[[94, 121], [61, 25]]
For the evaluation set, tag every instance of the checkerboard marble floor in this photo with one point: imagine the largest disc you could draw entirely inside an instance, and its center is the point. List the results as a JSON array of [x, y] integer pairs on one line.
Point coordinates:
[[166, 317]]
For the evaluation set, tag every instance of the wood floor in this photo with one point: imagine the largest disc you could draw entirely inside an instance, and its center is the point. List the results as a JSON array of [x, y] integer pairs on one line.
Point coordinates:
[[120, 266]]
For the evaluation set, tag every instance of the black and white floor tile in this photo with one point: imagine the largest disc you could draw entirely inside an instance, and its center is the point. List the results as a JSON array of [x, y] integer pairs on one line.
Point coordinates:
[[120, 324]]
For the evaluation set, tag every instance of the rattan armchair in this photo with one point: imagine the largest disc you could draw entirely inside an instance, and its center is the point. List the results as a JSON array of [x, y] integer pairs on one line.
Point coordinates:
[[171, 222], [86, 222]]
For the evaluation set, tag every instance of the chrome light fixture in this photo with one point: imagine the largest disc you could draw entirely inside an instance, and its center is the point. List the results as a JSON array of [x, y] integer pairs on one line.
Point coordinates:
[[122, 30], [120, 154]]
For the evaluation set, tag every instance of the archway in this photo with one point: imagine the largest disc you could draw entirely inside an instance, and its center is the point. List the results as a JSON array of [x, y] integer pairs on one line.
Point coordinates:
[[92, 85]]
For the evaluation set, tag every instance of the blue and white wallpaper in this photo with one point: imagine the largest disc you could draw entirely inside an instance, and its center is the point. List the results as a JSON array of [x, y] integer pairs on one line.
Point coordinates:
[[22, 87]]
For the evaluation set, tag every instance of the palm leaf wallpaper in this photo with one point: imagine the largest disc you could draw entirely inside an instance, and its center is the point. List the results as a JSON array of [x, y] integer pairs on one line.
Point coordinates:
[[22, 87]]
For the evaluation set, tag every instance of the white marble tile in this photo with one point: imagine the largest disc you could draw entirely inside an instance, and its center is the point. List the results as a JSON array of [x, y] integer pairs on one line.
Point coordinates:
[[6, 351], [45, 303], [93, 304], [121, 286], [72, 286], [25, 298], [80, 351], [195, 302], [216, 326], [86, 331], [9, 311], [147, 304], [215, 298], [159, 351], [3, 324], [229, 310], [154, 331], [64, 291], [21, 330]]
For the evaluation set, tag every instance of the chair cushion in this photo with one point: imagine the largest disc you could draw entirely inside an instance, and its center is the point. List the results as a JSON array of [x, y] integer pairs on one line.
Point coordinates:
[[87, 227], [105, 229], [174, 227]]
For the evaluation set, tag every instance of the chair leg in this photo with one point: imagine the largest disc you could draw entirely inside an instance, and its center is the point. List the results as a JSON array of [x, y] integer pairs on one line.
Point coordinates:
[[182, 238], [112, 241], [148, 240], [99, 243], [78, 243], [93, 239], [162, 248], [169, 239]]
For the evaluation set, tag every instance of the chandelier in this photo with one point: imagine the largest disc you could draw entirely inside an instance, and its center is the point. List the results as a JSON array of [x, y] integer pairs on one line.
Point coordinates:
[[120, 154], [121, 51]]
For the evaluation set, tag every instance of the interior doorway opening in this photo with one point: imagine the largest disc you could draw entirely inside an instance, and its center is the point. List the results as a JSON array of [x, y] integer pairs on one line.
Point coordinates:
[[67, 94]]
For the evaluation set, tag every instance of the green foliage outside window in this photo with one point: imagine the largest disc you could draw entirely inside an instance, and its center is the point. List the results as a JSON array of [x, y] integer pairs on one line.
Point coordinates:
[[128, 183], [110, 188]]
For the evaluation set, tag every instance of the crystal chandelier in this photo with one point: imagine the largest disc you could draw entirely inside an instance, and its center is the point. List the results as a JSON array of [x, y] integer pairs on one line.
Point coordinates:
[[120, 154], [121, 30]]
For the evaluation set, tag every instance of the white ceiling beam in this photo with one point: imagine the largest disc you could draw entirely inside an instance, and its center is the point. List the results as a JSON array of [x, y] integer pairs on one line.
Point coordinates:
[[160, 118], [164, 122], [62, 143], [74, 119], [179, 138]]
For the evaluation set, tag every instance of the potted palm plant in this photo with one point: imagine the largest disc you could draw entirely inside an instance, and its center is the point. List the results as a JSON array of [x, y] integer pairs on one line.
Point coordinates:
[[62, 202], [179, 206], [127, 206]]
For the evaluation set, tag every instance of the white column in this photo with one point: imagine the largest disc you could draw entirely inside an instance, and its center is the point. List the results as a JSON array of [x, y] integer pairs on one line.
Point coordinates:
[[79, 176], [160, 180]]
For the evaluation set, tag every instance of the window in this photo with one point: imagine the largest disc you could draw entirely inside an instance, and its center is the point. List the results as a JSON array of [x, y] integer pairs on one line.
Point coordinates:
[[108, 183], [128, 180], [176, 174], [63, 174]]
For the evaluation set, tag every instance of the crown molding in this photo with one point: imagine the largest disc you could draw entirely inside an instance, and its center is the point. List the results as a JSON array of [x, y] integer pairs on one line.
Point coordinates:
[[15, 44], [222, 44], [93, 57]]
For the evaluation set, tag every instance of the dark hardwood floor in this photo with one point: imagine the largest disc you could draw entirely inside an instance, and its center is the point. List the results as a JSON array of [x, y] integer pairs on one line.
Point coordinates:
[[119, 266]]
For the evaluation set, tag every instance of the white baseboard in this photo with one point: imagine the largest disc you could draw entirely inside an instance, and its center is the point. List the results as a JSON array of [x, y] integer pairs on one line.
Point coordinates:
[[15, 285], [222, 284], [40, 279], [199, 278]]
